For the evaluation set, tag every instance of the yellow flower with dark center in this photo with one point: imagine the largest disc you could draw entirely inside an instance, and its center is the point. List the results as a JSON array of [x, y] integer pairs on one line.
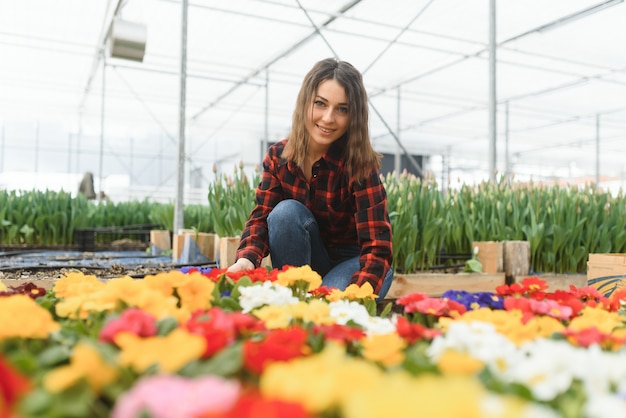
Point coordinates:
[[304, 273], [386, 349], [196, 292], [166, 282], [169, 353], [22, 317], [85, 363]]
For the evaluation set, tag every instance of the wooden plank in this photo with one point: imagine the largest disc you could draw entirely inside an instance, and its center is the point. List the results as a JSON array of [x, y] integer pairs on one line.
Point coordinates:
[[228, 251], [516, 258], [435, 284], [160, 241], [558, 281]]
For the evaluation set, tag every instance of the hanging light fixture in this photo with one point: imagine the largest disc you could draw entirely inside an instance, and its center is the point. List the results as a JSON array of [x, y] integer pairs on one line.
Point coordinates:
[[127, 40]]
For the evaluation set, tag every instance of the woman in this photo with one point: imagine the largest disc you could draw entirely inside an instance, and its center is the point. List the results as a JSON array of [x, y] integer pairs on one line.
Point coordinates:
[[320, 201]]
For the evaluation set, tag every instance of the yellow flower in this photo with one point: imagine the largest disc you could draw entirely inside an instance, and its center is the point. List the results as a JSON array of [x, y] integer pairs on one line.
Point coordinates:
[[401, 395], [169, 353], [75, 284], [85, 363], [454, 362], [149, 298], [509, 324], [275, 316], [71, 307], [598, 318], [316, 311], [165, 282], [353, 292], [386, 349], [304, 273], [22, 317], [319, 382], [196, 292]]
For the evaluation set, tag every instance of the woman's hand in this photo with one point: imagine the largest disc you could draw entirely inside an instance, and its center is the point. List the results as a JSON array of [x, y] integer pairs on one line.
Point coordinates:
[[241, 265]]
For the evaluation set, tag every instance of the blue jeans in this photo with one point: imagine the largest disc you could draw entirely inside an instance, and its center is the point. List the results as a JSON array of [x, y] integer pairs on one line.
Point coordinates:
[[294, 240]]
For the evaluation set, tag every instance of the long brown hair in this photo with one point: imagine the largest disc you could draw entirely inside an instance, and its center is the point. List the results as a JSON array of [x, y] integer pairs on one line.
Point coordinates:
[[361, 158]]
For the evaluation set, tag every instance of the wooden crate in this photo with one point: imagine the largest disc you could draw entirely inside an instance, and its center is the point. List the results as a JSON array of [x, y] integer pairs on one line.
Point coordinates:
[[435, 284]]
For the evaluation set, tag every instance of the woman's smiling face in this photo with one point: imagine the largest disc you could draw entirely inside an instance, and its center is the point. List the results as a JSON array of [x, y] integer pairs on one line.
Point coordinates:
[[328, 116]]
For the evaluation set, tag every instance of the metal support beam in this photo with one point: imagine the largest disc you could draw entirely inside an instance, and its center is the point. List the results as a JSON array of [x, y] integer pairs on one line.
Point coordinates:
[[397, 162], [492, 90], [102, 113], [507, 152], [180, 183], [597, 149]]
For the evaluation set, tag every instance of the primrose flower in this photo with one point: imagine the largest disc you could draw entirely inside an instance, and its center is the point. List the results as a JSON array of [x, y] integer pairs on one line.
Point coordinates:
[[169, 353], [266, 293], [164, 396], [304, 273], [85, 363], [22, 317]]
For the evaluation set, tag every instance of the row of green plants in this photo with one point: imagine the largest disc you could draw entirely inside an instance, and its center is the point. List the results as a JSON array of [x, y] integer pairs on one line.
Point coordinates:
[[52, 218], [563, 224]]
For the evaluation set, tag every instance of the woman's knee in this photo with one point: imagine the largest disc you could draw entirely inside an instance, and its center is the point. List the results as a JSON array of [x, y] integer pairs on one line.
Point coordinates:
[[288, 210]]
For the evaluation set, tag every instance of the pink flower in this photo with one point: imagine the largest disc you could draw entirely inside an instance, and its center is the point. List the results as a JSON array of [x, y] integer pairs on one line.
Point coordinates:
[[166, 396], [134, 321]]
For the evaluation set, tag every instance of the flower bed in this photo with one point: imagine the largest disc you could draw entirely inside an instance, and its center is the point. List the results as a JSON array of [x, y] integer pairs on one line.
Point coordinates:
[[198, 343]]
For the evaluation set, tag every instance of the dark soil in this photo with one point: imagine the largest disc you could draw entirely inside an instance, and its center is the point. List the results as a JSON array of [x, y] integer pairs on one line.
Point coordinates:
[[90, 266]]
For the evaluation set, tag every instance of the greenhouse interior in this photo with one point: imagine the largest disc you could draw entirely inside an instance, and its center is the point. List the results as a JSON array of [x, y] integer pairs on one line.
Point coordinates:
[[132, 136], [68, 106]]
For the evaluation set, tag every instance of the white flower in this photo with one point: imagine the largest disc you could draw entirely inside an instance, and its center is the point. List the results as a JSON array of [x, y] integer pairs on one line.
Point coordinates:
[[267, 293], [478, 339], [605, 406], [543, 366], [344, 311], [495, 406]]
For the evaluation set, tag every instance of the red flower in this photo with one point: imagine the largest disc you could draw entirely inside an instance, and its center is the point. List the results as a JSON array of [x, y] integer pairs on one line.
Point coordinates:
[[411, 298], [436, 307], [278, 345], [215, 274], [12, 387], [132, 320], [321, 292], [220, 328], [252, 405], [589, 336], [412, 332], [527, 287], [586, 293], [510, 290], [337, 332], [567, 299], [28, 289], [534, 284], [259, 274]]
